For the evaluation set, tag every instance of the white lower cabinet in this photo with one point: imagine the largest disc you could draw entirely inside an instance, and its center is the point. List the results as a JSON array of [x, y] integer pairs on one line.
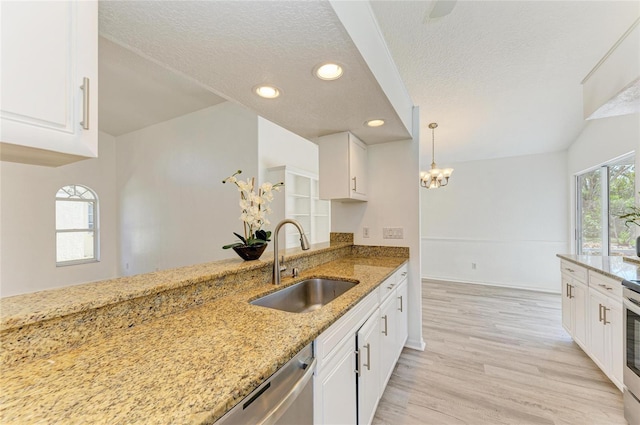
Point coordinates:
[[574, 309], [335, 387], [357, 354], [606, 334], [592, 315], [402, 315], [368, 341], [387, 339]]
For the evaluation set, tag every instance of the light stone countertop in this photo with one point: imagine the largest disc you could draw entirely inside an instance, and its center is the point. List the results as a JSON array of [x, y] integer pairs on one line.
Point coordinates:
[[613, 267], [26, 309], [185, 368]]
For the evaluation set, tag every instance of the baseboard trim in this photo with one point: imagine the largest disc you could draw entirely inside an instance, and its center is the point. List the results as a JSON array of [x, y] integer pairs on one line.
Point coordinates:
[[501, 285], [415, 345]]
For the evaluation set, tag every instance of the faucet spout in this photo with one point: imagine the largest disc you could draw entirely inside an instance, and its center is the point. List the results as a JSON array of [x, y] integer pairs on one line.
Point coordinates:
[[304, 244]]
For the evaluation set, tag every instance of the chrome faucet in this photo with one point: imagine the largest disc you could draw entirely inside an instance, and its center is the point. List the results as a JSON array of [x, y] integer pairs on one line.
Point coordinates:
[[304, 244]]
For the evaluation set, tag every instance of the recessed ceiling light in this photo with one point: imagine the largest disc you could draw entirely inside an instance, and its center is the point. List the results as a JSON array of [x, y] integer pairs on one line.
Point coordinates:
[[268, 92], [328, 71], [375, 123]]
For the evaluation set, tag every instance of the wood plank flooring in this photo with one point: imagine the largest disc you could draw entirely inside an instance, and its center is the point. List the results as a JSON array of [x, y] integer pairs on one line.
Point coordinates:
[[496, 356]]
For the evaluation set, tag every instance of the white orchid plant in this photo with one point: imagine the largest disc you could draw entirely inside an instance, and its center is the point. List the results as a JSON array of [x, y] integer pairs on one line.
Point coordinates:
[[254, 207]]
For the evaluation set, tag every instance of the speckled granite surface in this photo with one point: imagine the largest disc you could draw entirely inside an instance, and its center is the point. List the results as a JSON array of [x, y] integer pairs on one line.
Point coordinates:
[[187, 367], [43, 323], [613, 267], [635, 260]]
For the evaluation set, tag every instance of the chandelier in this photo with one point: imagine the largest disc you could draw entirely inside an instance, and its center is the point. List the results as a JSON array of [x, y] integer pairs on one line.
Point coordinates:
[[435, 177]]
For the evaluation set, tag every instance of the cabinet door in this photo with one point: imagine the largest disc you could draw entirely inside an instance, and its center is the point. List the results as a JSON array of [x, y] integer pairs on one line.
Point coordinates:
[[579, 318], [335, 388], [566, 304], [358, 167], [402, 331], [47, 50], [615, 333], [388, 345], [597, 338], [368, 338]]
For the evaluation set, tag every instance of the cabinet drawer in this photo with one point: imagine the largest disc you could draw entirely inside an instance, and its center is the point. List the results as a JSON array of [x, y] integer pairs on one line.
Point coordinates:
[[386, 288], [402, 274], [574, 270], [345, 326], [605, 285], [389, 285]]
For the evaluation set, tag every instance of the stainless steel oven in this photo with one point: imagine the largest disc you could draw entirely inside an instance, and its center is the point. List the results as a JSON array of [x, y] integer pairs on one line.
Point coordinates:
[[631, 300]]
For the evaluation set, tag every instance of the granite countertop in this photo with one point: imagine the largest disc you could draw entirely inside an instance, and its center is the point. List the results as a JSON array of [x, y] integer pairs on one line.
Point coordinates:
[[189, 367], [613, 267], [45, 305]]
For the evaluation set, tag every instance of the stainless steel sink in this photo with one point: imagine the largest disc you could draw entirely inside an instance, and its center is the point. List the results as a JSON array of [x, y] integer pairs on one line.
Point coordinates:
[[305, 296]]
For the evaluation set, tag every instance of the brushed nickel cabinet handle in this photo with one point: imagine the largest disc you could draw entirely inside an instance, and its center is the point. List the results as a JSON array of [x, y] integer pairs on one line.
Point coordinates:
[[404, 274], [357, 371], [570, 291], [604, 315], [400, 298], [368, 347], [85, 103], [355, 184], [569, 270], [385, 325]]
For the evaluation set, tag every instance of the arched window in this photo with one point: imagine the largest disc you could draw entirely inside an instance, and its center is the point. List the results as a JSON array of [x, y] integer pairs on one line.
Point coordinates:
[[76, 225]]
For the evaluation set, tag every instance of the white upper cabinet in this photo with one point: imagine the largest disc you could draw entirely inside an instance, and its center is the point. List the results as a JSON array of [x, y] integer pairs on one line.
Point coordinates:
[[49, 104], [343, 167]]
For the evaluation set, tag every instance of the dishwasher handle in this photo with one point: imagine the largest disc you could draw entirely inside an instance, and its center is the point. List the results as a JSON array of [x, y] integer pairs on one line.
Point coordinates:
[[276, 411]]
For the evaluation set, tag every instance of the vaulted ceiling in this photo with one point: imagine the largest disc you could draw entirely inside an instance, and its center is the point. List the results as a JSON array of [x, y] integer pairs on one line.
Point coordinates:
[[501, 78]]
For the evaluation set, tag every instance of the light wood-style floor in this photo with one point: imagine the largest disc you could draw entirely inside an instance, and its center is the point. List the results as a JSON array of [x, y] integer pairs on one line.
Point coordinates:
[[496, 356]]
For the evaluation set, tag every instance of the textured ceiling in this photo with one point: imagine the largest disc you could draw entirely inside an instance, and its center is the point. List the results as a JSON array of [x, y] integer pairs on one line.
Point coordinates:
[[500, 78], [136, 92], [231, 46]]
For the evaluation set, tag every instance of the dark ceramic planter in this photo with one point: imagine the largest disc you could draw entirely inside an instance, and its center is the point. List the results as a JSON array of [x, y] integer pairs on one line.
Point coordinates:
[[249, 253]]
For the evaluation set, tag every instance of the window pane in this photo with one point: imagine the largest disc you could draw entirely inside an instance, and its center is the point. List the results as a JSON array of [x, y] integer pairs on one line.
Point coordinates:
[[589, 210], [75, 191], [74, 215], [621, 198], [74, 246]]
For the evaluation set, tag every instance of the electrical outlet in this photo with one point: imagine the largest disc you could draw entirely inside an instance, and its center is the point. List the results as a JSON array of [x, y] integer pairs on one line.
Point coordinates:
[[365, 232], [393, 233]]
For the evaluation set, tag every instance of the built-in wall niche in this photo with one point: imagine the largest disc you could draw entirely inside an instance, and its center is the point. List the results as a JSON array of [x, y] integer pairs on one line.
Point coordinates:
[[300, 202]]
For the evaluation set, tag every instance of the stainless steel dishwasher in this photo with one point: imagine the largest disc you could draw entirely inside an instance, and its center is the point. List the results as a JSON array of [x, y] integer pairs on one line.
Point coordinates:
[[286, 398]]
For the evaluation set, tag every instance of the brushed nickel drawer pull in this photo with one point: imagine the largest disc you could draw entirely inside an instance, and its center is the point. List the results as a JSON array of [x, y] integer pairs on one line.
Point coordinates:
[[604, 315], [385, 325], [400, 298]]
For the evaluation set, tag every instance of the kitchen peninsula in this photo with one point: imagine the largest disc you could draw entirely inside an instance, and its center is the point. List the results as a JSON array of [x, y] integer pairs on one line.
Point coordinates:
[[178, 346]]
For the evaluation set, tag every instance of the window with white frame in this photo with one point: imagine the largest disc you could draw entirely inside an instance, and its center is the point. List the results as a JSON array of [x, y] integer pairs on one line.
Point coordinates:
[[76, 225], [603, 194]]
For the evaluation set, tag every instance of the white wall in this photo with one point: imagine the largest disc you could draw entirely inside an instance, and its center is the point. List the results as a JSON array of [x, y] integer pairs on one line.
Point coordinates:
[[601, 140], [28, 235], [508, 216], [278, 146], [393, 201], [173, 208]]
